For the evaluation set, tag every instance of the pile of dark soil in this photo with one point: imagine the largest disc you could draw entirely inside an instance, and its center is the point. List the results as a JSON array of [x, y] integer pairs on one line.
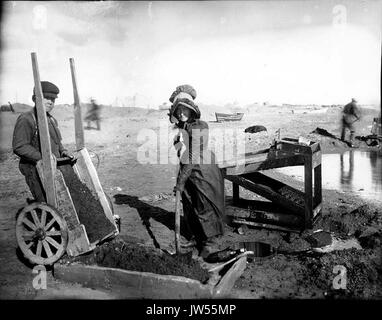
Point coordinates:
[[89, 209], [123, 255], [324, 132], [363, 272], [352, 223]]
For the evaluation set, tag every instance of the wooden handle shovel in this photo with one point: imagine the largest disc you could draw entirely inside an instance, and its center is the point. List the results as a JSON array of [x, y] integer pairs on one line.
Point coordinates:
[[178, 208]]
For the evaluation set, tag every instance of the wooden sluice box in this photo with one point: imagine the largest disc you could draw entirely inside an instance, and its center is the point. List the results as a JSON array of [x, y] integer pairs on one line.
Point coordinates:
[[288, 209], [128, 284]]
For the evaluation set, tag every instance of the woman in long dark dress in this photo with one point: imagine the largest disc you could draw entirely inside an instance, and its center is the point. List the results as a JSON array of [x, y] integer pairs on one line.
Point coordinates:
[[200, 181]]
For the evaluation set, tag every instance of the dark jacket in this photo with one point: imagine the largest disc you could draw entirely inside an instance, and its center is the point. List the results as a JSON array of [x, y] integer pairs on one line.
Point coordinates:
[[198, 168], [26, 139], [351, 113], [93, 113]]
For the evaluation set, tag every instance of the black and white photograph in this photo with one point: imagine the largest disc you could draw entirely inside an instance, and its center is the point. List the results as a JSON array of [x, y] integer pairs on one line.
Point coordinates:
[[200, 152]]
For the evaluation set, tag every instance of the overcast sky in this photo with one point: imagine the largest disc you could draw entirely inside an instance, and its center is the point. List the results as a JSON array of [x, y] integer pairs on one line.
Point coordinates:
[[322, 52]]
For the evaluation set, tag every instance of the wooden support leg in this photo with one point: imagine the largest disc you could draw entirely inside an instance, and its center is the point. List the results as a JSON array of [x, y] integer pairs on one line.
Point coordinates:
[[308, 181], [317, 185], [235, 193]]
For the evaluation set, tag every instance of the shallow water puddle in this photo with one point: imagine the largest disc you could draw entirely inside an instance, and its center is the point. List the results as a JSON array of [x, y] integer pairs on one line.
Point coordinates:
[[355, 171]]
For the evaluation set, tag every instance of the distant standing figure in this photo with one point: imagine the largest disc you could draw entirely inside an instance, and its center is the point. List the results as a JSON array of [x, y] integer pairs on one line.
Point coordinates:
[[350, 114], [93, 115]]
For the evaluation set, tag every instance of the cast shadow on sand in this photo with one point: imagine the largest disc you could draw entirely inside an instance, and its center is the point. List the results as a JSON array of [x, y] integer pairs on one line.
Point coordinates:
[[147, 211]]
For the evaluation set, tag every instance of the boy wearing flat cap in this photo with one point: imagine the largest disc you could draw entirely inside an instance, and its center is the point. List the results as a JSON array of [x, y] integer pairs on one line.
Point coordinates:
[[26, 140]]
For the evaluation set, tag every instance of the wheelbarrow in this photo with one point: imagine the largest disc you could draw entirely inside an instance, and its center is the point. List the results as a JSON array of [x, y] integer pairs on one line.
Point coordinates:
[[45, 231]]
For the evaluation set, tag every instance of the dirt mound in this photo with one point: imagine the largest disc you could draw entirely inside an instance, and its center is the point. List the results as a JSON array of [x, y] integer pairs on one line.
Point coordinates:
[[352, 223], [123, 255], [363, 273]]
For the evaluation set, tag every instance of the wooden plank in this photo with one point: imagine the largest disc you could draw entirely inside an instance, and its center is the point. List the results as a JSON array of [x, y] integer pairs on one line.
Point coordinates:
[[279, 218], [178, 207], [283, 161], [235, 192], [78, 126], [283, 189], [83, 173], [78, 241], [252, 153], [227, 282], [128, 284], [263, 211], [43, 129], [316, 159], [242, 160], [267, 192], [269, 216], [88, 168], [317, 185], [265, 164], [293, 147], [266, 225], [234, 211], [65, 203], [308, 187]]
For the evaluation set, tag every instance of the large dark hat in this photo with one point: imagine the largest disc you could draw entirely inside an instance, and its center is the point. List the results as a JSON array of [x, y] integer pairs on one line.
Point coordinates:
[[186, 103], [49, 90], [183, 95], [189, 91]]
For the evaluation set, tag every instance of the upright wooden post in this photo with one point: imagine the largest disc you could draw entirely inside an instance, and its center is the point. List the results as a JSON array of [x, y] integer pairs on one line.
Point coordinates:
[[177, 221], [43, 129], [308, 181], [317, 185], [235, 193], [78, 127]]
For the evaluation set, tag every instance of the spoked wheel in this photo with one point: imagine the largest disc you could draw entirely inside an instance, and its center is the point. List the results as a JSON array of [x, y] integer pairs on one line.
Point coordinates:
[[41, 233]]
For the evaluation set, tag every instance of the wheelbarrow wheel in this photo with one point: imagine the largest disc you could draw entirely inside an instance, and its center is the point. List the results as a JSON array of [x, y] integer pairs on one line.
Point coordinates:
[[41, 234]]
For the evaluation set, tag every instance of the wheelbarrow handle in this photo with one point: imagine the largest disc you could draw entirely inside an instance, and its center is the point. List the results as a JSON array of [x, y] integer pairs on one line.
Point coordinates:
[[64, 159]]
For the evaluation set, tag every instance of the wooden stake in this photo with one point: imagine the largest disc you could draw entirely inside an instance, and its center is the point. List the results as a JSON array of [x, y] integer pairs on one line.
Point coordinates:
[[78, 127], [43, 129], [177, 221]]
